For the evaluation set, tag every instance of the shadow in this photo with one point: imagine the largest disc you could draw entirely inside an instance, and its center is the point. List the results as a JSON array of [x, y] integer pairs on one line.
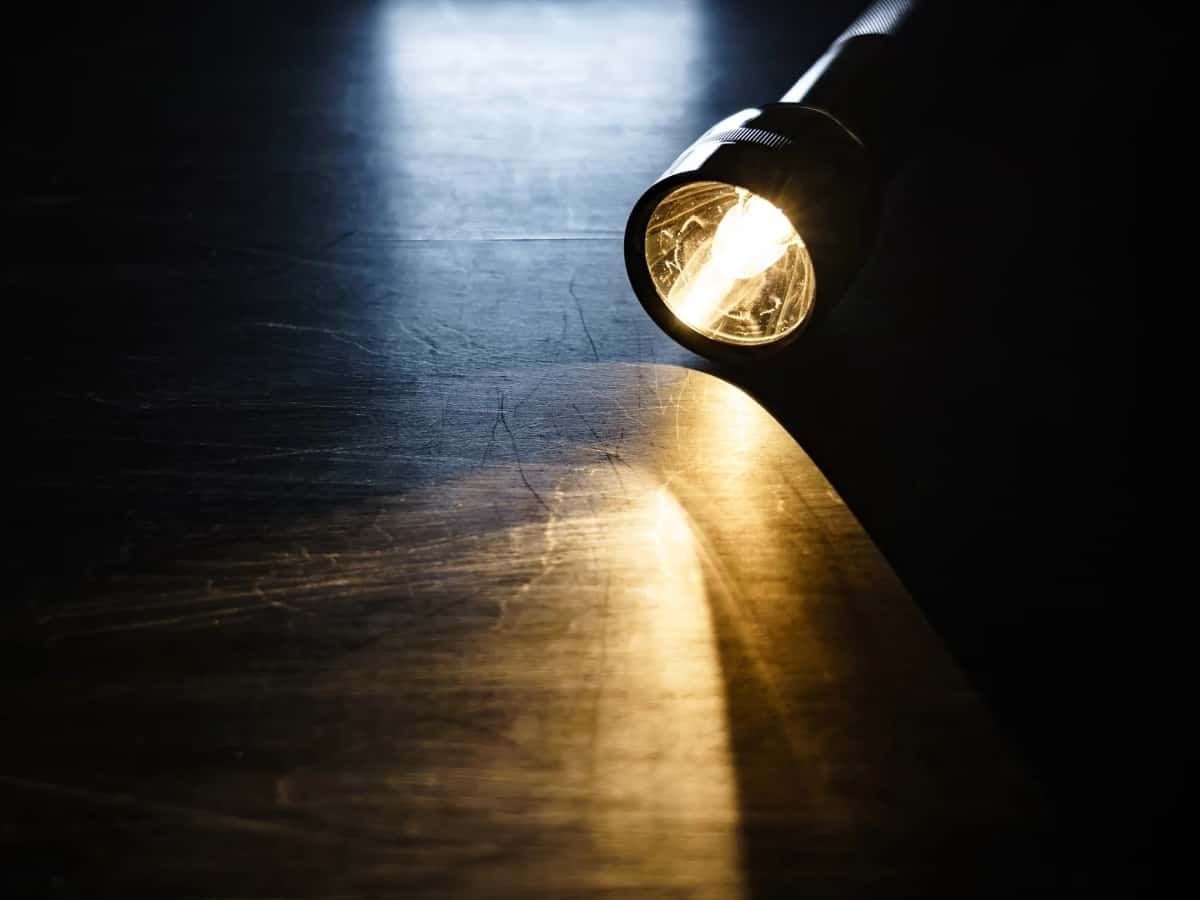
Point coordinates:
[[864, 765], [974, 399]]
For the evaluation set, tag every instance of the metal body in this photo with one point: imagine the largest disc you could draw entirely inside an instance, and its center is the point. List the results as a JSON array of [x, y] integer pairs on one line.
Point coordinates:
[[816, 155]]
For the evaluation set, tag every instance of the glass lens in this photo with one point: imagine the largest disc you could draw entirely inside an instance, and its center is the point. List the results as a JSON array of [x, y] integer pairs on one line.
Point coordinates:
[[729, 264]]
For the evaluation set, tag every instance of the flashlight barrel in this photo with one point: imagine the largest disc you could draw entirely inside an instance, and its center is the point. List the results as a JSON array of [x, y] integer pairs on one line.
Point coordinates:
[[869, 78], [820, 157]]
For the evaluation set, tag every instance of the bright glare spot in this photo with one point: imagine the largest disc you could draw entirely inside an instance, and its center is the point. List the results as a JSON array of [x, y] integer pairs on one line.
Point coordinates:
[[697, 301], [751, 237], [674, 542]]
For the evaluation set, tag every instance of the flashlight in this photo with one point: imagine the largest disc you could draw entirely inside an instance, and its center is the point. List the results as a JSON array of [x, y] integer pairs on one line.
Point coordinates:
[[755, 231]]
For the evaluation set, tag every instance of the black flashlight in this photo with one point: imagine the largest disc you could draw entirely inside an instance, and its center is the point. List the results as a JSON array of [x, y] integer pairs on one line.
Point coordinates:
[[755, 231]]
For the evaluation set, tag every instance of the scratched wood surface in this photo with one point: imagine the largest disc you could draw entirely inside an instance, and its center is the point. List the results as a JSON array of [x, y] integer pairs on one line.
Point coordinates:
[[373, 541]]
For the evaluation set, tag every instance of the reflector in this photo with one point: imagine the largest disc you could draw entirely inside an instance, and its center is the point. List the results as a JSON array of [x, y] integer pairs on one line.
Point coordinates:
[[728, 263]]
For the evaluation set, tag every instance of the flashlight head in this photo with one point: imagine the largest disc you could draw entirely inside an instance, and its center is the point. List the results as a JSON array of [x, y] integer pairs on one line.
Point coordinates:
[[753, 232]]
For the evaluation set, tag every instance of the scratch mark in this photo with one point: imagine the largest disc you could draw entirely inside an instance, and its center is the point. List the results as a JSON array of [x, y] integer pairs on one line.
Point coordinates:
[[582, 320], [191, 815], [501, 238], [267, 601], [466, 338], [214, 614], [441, 434], [562, 338], [533, 390], [517, 457], [308, 451], [345, 235], [328, 332], [391, 538], [678, 437], [487, 451], [417, 336], [251, 476], [289, 261], [608, 454]]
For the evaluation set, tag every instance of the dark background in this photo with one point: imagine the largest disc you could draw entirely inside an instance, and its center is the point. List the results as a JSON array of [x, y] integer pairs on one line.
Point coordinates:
[[974, 398]]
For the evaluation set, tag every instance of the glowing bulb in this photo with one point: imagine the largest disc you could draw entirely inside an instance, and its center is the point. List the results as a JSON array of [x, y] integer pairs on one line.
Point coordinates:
[[751, 237], [729, 264]]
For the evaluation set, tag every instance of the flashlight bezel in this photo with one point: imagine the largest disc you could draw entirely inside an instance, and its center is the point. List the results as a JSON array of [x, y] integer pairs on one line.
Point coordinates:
[[647, 291], [801, 160]]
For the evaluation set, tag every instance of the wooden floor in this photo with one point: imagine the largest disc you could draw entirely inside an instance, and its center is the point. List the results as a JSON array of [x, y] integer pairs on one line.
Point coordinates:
[[371, 540]]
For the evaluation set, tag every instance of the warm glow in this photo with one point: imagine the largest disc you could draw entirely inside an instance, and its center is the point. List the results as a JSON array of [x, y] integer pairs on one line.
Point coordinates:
[[649, 587], [729, 263], [751, 237], [700, 300]]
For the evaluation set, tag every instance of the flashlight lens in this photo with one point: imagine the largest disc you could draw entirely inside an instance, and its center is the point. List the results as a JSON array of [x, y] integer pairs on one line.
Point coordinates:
[[729, 264]]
